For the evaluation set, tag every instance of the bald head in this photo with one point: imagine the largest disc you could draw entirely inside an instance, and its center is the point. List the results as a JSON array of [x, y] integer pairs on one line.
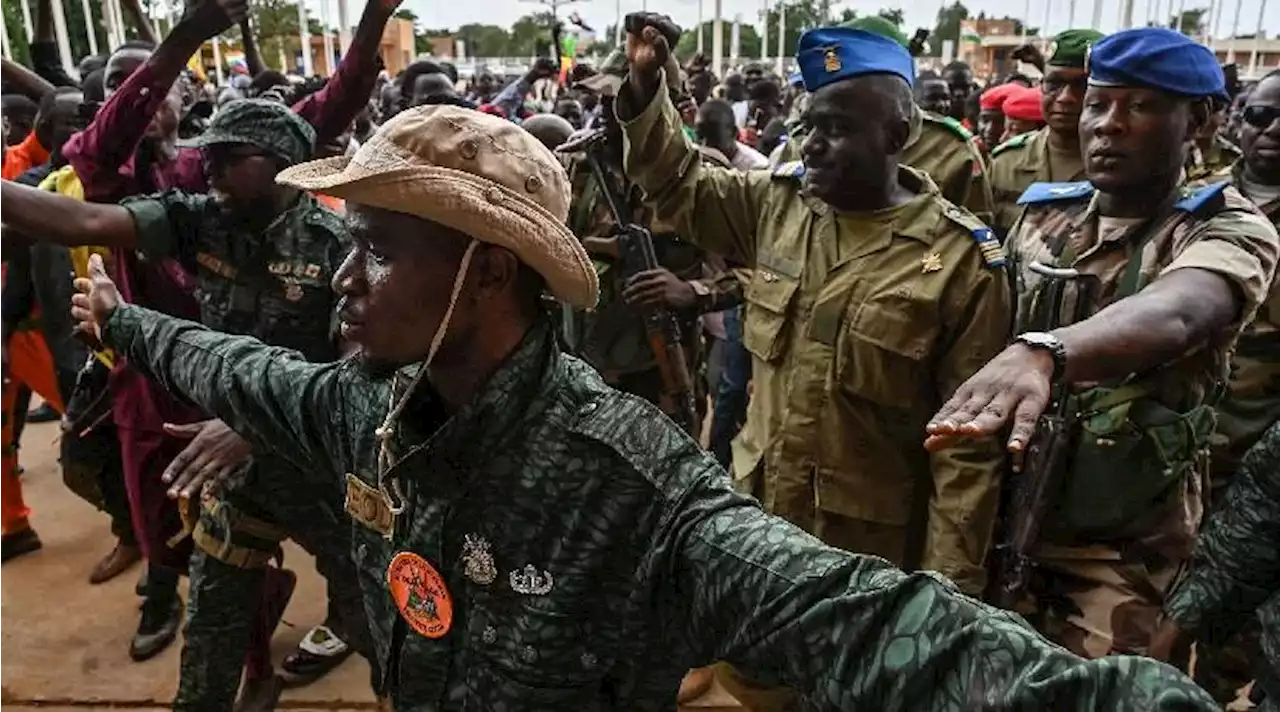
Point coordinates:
[[550, 129]]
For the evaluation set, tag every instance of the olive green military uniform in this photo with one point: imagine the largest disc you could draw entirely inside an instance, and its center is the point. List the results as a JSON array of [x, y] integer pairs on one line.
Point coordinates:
[[943, 149], [1127, 516], [1217, 159], [859, 326], [591, 553], [1251, 405], [1021, 161]]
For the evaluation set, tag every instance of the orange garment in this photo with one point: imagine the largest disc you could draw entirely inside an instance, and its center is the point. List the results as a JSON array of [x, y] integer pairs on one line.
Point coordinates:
[[30, 363], [18, 159], [337, 205]]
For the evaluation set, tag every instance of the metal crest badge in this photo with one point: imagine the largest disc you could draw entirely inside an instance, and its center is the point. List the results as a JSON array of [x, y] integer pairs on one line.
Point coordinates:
[[531, 582], [932, 262], [477, 560], [831, 60]]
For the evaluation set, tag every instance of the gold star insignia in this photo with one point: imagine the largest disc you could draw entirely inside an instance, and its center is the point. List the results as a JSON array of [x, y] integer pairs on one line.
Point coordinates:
[[932, 262], [831, 60]]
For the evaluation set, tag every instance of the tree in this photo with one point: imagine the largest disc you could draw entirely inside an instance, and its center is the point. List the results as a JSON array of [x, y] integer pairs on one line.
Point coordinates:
[[530, 36], [1192, 22], [484, 40], [748, 37], [406, 14], [801, 15], [422, 39], [947, 27], [893, 15]]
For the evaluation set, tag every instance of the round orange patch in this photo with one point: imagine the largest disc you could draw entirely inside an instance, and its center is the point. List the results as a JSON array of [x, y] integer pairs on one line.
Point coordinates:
[[420, 594]]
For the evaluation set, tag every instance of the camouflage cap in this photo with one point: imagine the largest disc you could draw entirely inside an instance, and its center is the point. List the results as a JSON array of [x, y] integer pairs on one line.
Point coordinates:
[[268, 125], [1069, 47], [880, 26]]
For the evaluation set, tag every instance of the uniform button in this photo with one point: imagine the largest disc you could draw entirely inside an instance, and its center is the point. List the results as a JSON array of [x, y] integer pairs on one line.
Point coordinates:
[[490, 635], [528, 654], [589, 660], [468, 148], [533, 184], [145, 91], [494, 195], [587, 409]]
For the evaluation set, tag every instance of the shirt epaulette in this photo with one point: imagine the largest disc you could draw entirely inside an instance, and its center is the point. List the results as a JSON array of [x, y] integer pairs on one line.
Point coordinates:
[[1016, 142], [1048, 192], [1199, 197], [983, 236], [956, 127], [790, 169]]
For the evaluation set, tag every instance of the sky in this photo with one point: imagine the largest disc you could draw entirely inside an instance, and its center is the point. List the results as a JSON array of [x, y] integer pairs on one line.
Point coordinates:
[[600, 13]]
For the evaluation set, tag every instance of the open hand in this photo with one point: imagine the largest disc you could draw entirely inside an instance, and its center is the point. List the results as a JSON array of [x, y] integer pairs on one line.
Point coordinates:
[[657, 288], [1013, 386], [95, 300], [215, 453]]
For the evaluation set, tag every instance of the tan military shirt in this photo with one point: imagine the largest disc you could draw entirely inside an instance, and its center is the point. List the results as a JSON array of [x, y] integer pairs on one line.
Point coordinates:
[[1253, 401], [1215, 230], [1021, 161], [859, 327], [944, 150]]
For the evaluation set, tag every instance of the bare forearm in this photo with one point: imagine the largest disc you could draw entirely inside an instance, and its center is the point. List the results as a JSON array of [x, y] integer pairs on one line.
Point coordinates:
[[1151, 328], [75, 222], [369, 32], [252, 58], [28, 82], [44, 22]]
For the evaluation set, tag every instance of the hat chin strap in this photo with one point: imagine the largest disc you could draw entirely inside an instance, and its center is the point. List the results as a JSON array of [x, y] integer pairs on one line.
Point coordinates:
[[391, 491]]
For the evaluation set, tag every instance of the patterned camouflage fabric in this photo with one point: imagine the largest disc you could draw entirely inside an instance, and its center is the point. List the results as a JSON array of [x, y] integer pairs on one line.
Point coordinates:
[[1217, 158], [945, 150], [1019, 162], [1098, 597], [268, 125], [1236, 569], [616, 555], [273, 285], [860, 326]]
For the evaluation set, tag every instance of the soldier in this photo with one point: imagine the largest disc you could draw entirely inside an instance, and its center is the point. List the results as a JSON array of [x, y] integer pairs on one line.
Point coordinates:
[[1051, 154], [1145, 367], [1212, 154], [991, 115], [527, 537], [939, 146], [1252, 403], [264, 255]]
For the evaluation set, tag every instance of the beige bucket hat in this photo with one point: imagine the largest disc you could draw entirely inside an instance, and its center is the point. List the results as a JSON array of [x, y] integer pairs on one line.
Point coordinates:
[[478, 174]]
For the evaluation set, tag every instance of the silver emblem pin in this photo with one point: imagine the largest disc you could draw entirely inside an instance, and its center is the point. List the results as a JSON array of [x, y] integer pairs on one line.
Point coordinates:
[[477, 560], [531, 582]]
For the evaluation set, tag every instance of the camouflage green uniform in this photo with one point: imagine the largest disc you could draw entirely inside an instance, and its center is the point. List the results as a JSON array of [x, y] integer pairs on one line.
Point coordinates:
[[1251, 405], [1016, 164], [1099, 586], [944, 150], [274, 285], [1235, 573], [616, 556], [1217, 159]]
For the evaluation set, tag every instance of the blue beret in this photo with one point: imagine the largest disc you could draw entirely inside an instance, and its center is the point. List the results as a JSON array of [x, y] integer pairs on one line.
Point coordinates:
[[1156, 58], [829, 54]]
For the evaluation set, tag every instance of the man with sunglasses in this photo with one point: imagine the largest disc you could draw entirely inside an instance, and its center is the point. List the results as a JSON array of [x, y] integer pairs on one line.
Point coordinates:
[[1230, 557], [263, 255], [1053, 152]]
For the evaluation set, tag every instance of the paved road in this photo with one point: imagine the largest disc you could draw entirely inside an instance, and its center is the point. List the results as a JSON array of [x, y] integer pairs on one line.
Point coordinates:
[[66, 643]]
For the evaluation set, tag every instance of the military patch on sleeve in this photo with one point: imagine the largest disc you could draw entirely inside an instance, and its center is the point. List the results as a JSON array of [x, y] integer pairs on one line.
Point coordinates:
[[1197, 198], [1048, 192], [1016, 142], [990, 247], [790, 169]]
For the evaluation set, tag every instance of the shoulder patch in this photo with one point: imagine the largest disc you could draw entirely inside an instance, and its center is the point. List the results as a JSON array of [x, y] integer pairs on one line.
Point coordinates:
[[1016, 142], [790, 169], [983, 236], [1195, 199], [1048, 192]]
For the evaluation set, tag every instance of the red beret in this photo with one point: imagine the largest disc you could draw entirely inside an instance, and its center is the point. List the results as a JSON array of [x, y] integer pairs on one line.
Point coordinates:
[[1023, 105], [993, 99]]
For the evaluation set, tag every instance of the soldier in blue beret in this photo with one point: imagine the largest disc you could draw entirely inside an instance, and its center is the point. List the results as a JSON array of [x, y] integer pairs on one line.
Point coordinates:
[[1154, 281]]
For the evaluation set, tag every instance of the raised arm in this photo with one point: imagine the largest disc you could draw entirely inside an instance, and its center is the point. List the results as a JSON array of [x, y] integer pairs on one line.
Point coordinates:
[[332, 109], [140, 21], [45, 58], [270, 396], [850, 632], [76, 222], [252, 57], [98, 152], [28, 83]]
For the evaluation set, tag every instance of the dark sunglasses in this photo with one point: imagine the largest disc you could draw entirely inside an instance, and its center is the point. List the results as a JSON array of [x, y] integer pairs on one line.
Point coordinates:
[[1259, 116]]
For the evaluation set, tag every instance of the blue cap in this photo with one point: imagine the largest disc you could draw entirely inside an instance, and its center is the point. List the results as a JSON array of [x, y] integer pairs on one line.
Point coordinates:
[[1156, 58], [829, 54]]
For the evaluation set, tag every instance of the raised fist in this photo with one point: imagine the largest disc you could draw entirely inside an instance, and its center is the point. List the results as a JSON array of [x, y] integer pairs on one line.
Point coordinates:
[[650, 38]]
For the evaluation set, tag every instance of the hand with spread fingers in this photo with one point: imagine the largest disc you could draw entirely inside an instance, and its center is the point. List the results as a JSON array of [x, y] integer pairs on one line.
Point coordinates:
[[95, 300], [1012, 388], [658, 288], [214, 454]]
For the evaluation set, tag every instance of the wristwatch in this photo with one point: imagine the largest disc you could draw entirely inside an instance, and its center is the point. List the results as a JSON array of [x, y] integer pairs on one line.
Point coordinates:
[[1048, 342]]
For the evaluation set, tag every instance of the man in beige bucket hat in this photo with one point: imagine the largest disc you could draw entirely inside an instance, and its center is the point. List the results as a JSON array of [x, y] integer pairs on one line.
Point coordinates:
[[531, 539]]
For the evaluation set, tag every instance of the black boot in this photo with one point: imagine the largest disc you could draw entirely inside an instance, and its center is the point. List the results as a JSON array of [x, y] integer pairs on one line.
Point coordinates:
[[161, 615]]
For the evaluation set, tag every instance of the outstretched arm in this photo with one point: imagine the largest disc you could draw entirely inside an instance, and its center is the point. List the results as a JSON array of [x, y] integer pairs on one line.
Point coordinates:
[[77, 223]]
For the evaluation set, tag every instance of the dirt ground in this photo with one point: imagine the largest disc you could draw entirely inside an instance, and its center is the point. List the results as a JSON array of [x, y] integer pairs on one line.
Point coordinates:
[[65, 644]]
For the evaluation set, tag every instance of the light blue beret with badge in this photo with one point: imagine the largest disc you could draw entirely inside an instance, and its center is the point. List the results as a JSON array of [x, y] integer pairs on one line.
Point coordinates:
[[829, 54], [1156, 58]]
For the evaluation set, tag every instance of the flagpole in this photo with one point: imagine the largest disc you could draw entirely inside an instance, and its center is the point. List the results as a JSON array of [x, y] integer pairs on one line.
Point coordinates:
[[782, 37]]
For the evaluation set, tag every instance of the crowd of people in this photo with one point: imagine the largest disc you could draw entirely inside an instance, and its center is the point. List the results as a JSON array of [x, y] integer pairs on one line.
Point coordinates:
[[586, 390]]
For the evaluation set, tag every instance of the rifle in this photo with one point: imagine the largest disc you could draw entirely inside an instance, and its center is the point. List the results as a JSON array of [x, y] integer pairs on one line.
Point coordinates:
[[1045, 462], [635, 249]]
